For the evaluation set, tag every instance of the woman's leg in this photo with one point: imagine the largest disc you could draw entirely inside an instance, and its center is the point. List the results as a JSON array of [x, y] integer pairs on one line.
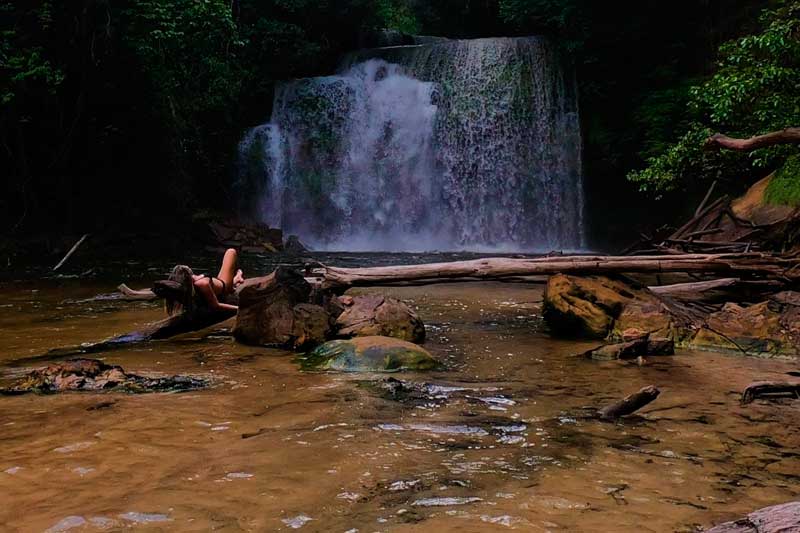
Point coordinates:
[[228, 270]]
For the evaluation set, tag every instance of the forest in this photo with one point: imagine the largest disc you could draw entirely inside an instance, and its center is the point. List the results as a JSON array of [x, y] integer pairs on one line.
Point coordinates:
[[127, 114]]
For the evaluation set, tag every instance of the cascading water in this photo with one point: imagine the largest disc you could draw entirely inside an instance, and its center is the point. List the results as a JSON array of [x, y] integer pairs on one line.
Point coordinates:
[[452, 145]]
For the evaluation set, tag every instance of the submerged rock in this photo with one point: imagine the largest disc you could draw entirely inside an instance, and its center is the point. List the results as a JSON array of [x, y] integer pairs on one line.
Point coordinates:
[[776, 519], [588, 306], [369, 354], [633, 348], [370, 315], [92, 375], [764, 328]]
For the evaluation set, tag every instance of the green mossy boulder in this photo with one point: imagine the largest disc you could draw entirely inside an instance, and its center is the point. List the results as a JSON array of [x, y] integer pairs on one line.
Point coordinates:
[[369, 354]]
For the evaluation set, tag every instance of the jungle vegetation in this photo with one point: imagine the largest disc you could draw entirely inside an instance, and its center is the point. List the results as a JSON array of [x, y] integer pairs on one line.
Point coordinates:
[[123, 112]]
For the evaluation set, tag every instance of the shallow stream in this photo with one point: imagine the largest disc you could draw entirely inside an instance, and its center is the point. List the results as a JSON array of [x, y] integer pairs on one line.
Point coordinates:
[[501, 440]]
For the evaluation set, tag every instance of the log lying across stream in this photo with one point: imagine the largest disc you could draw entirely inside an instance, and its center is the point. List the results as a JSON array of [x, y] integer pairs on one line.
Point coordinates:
[[745, 265]]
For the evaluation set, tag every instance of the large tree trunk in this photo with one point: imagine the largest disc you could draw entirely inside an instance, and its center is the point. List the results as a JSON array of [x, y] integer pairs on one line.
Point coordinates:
[[786, 136], [738, 265]]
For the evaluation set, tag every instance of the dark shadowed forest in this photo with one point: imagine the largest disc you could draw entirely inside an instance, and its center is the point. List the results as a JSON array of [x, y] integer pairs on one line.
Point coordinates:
[[120, 114]]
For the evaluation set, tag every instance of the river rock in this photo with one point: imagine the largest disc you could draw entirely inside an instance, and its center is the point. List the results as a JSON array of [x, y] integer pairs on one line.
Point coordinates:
[[782, 518], [770, 327], [371, 315], [311, 327], [588, 306], [632, 349], [92, 375], [369, 354], [273, 311]]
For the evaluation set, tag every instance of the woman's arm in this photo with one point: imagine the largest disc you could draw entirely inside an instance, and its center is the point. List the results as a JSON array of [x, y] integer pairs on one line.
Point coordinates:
[[204, 287]]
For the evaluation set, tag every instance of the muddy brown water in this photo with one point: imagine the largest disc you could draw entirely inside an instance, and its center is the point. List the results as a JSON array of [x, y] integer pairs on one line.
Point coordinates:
[[501, 441]]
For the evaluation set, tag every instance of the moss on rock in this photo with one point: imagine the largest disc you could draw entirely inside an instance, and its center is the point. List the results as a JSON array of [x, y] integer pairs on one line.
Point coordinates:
[[369, 354], [784, 188]]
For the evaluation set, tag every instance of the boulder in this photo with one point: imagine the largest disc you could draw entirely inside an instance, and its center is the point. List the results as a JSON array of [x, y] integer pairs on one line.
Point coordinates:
[[588, 306], [311, 327], [92, 375], [782, 518], [649, 315], [273, 311], [372, 315], [769, 327], [369, 354]]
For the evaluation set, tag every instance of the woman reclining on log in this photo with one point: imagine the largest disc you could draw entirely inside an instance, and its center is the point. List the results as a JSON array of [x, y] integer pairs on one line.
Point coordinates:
[[214, 289]]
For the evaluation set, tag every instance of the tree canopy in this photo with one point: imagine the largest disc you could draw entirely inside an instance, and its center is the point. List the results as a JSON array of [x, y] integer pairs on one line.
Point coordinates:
[[753, 91], [118, 110]]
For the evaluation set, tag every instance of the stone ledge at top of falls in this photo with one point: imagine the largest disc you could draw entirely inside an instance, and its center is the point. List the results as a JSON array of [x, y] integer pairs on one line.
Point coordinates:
[[369, 354], [454, 145]]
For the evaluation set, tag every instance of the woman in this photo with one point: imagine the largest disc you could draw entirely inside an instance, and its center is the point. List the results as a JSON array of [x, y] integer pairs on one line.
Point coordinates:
[[217, 289]]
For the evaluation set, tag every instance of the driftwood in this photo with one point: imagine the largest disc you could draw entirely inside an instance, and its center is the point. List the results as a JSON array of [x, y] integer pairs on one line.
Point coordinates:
[[71, 251], [761, 389], [136, 294], [785, 136], [719, 290], [630, 404], [766, 266]]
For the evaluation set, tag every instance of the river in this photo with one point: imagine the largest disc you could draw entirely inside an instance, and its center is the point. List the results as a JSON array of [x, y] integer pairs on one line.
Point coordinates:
[[501, 440]]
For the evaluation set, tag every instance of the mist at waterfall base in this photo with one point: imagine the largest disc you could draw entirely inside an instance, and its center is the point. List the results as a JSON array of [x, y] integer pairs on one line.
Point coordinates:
[[456, 145]]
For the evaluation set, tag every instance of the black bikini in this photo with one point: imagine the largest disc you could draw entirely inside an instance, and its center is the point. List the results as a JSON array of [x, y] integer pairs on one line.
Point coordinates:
[[224, 286]]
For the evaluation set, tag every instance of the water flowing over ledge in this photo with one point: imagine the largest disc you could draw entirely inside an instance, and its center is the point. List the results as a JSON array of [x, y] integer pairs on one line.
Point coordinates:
[[450, 145]]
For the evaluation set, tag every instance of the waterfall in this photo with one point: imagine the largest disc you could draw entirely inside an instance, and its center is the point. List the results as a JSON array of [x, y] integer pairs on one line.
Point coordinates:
[[450, 145]]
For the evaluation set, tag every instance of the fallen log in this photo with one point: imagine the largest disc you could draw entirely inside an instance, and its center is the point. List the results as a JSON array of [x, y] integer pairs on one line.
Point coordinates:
[[752, 264], [630, 404], [187, 312], [761, 389], [719, 290]]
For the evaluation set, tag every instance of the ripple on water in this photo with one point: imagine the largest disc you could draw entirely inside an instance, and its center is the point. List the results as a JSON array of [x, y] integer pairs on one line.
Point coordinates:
[[74, 447], [66, 524], [436, 429], [144, 518], [404, 485], [445, 502], [297, 522]]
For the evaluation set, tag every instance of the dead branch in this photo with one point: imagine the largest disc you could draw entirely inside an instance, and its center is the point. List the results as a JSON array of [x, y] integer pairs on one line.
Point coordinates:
[[630, 404], [71, 251], [136, 294], [785, 136]]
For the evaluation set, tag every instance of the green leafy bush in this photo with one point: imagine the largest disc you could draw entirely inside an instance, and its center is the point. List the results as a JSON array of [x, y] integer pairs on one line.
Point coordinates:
[[754, 91]]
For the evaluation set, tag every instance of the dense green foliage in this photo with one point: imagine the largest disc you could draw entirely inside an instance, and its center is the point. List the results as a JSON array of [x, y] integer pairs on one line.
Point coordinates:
[[116, 111], [753, 91], [784, 188]]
